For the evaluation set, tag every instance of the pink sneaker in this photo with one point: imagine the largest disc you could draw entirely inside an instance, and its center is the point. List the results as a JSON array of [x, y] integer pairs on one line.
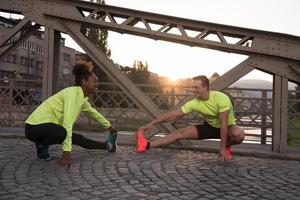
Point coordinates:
[[228, 153], [141, 142]]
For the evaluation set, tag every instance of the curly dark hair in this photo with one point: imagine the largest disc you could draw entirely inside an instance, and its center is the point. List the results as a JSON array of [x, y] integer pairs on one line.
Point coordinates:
[[81, 72]]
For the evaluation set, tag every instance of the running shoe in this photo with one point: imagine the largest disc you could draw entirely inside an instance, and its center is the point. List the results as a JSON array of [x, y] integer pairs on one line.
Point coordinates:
[[141, 142], [228, 153], [111, 143], [42, 151]]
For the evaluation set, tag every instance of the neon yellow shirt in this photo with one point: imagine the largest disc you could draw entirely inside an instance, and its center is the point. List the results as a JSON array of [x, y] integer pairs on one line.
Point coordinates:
[[210, 109], [63, 108]]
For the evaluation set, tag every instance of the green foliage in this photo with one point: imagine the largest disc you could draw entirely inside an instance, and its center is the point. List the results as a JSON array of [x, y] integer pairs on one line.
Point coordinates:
[[98, 37], [139, 73], [294, 133], [298, 97]]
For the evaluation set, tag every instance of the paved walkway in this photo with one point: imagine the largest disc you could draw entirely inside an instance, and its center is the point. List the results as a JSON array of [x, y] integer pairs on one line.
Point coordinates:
[[158, 174]]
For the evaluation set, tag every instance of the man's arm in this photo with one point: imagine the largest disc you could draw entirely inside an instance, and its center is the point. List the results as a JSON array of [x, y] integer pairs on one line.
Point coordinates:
[[167, 117], [223, 116]]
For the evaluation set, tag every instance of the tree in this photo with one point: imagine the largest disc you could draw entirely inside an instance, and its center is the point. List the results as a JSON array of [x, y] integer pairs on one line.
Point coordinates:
[[99, 38], [298, 97], [139, 73]]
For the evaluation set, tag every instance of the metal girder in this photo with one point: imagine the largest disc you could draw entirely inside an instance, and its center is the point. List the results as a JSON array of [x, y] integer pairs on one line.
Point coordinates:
[[138, 97], [156, 26], [283, 67], [232, 75], [23, 35], [174, 29], [13, 31], [162, 27], [73, 29]]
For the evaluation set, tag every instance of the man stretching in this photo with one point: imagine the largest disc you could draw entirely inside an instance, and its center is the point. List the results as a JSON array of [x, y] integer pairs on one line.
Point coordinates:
[[217, 110]]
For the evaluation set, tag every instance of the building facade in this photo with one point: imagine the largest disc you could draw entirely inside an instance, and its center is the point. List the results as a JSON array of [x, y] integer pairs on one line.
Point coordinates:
[[26, 61]]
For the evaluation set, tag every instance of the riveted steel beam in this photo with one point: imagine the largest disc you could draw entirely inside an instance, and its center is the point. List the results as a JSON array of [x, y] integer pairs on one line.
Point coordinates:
[[168, 28], [138, 97], [11, 32], [22, 36], [232, 75], [282, 67]]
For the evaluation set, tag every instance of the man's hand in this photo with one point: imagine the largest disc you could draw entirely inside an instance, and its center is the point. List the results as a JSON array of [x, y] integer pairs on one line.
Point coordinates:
[[147, 127], [65, 160], [222, 156]]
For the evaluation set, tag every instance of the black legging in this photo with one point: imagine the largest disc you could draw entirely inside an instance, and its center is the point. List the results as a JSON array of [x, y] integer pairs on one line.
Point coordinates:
[[50, 133]]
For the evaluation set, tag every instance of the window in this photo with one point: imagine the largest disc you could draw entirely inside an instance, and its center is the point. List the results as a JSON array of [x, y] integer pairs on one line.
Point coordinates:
[[12, 59], [23, 60], [40, 50], [24, 45], [66, 71], [30, 62], [39, 64], [67, 57], [27, 45], [31, 46], [26, 61]]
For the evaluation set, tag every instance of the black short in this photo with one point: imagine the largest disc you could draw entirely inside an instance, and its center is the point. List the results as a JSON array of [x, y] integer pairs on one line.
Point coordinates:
[[206, 131]]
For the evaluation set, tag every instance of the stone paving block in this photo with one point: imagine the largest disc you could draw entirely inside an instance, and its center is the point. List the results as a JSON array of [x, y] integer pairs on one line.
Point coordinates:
[[158, 174], [8, 197]]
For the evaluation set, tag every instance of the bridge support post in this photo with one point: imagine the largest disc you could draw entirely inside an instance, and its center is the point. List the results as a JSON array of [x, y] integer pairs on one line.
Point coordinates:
[[51, 62], [280, 114]]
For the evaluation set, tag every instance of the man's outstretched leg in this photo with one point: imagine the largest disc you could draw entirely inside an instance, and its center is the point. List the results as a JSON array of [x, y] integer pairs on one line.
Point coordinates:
[[143, 144]]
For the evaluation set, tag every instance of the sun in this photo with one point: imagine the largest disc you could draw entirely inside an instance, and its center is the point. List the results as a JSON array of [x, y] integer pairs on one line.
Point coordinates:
[[173, 79]]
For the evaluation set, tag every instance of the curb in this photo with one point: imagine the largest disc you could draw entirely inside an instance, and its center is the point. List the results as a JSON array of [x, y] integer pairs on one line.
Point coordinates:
[[128, 139]]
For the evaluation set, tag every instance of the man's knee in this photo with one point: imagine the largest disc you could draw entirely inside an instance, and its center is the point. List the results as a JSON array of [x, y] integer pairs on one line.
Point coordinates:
[[240, 136], [237, 134]]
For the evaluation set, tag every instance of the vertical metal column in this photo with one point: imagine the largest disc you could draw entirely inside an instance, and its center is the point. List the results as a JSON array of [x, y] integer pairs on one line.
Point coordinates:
[[264, 109], [280, 117], [56, 63], [284, 115], [51, 62]]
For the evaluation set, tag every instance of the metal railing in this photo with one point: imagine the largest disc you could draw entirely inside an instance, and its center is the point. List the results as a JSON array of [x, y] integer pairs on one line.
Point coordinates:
[[253, 107]]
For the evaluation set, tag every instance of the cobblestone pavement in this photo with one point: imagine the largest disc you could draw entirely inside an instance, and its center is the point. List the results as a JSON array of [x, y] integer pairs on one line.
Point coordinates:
[[158, 174]]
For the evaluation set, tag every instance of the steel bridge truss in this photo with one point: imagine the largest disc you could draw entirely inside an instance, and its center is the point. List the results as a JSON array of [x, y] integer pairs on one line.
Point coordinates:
[[275, 53]]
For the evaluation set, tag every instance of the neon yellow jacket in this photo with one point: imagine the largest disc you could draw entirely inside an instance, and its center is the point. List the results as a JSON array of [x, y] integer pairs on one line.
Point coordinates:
[[63, 108]]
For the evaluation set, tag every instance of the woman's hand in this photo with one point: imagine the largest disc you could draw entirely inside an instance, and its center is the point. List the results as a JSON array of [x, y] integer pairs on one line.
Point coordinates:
[[147, 128], [112, 129], [65, 160]]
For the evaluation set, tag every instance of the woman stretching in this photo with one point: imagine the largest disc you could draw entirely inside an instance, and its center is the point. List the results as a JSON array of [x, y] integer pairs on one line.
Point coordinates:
[[52, 122]]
